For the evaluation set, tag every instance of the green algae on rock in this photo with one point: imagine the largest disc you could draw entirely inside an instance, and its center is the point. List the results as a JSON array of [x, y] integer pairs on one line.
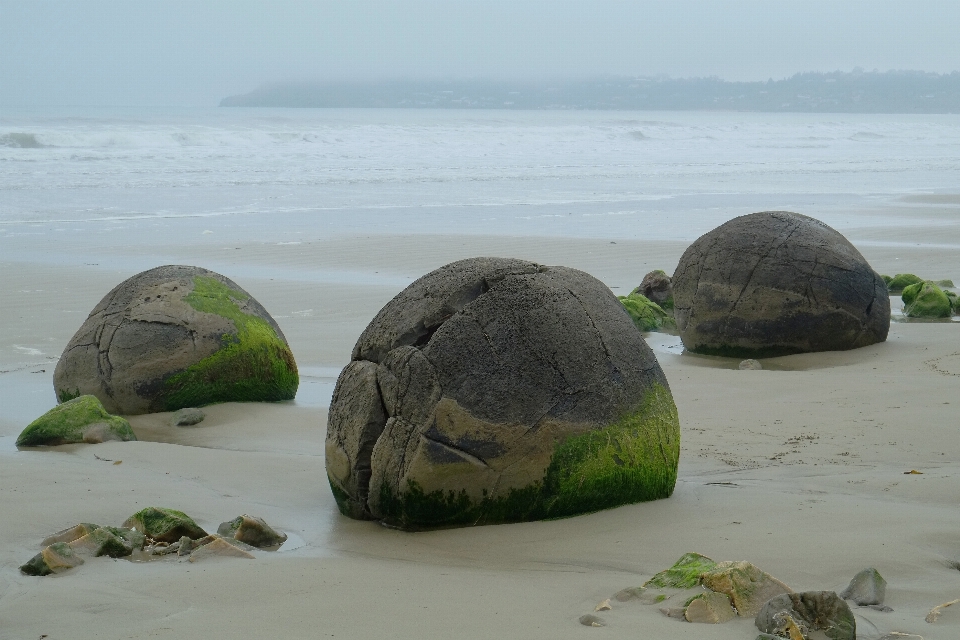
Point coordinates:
[[164, 525], [82, 419], [251, 530], [684, 574], [56, 558], [646, 314], [925, 300], [177, 336], [748, 586], [901, 281], [495, 390], [115, 542]]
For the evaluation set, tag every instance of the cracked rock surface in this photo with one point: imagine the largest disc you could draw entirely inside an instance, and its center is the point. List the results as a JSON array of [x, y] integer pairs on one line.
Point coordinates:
[[774, 283], [176, 336], [497, 390]]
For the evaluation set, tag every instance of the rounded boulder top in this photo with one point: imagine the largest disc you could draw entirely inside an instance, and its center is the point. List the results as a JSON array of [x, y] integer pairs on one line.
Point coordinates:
[[495, 390], [775, 283], [176, 336]]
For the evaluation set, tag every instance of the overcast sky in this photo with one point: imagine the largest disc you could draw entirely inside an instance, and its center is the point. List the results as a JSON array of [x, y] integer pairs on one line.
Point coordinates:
[[138, 52]]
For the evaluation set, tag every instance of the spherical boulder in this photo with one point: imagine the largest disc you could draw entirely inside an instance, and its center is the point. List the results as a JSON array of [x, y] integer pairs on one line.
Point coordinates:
[[775, 283], [173, 337], [495, 390]]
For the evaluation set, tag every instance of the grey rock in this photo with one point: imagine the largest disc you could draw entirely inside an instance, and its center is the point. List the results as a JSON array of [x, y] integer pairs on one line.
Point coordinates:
[[750, 365], [810, 611], [867, 587], [878, 607], [775, 283], [656, 287], [187, 417], [251, 530], [590, 620], [464, 386], [149, 344]]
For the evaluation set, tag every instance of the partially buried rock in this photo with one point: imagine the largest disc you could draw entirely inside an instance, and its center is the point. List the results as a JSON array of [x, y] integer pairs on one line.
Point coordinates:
[[56, 558], [71, 534], [219, 547], [251, 530], [187, 417], [748, 586], [750, 365], [775, 283], [901, 281], [173, 337], [806, 612], [164, 525], [657, 288], [867, 588], [684, 574], [115, 542], [926, 300], [82, 419], [710, 608], [495, 390]]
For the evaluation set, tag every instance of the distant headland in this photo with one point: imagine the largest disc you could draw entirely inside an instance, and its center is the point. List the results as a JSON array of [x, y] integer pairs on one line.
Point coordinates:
[[836, 92]]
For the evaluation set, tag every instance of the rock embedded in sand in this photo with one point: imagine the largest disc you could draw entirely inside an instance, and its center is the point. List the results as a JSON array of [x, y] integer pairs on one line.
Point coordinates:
[[926, 300], [810, 611], [56, 558], [177, 336], [187, 417], [82, 419], [657, 288], [219, 547], [748, 586], [115, 542], [750, 365], [709, 608], [867, 588], [251, 530], [164, 525], [495, 390], [901, 281], [775, 283], [71, 534]]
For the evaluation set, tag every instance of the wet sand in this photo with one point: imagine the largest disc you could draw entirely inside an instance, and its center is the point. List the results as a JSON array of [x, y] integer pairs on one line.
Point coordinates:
[[799, 468]]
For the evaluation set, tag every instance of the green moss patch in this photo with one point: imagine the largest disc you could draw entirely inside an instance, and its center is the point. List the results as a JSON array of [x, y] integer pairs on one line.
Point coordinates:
[[647, 315], [66, 423], [901, 281], [254, 364], [632, 460], [925, 300], [165, 525], [684, 574]]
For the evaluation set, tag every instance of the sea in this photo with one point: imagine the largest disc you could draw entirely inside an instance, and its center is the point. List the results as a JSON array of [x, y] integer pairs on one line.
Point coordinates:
[[593, 174]]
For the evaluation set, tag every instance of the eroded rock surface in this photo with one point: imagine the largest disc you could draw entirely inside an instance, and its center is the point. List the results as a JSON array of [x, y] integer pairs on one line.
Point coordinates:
[[867, 588], [176, 336], [165, 525], [495, 390], [656, 287], [807, 612], [251, 530], [748, 586], [775, 283]]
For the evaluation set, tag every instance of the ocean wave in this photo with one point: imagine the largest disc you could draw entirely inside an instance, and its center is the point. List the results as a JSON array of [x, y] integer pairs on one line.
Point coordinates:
[[19, 140]]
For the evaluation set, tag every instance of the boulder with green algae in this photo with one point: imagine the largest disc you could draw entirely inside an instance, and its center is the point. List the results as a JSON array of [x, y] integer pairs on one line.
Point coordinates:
[[684, 574], [901, 281], [164, 525], [646, 314], [82, 419], [251, 530], [657, 288], [944, 284], [177, 336], [822, 612], [867, 588], [56, 558], [495, 390], [748, 586], [925, 300]]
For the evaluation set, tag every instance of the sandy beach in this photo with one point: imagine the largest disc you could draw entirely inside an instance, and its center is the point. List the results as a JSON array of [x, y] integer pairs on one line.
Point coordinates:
[[800, 468]]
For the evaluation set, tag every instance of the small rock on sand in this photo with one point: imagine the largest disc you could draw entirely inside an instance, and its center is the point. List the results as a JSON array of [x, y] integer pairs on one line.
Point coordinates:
[[187, 417], [867, 587], [589, 620], [750, 365]]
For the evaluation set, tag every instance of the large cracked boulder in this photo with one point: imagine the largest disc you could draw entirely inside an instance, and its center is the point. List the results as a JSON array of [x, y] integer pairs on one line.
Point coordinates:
[[176, 336], [775, 283], [495, 390]]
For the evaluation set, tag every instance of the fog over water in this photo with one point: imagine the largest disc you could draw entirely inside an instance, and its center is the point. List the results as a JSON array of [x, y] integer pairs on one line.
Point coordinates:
[[179, 53]]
